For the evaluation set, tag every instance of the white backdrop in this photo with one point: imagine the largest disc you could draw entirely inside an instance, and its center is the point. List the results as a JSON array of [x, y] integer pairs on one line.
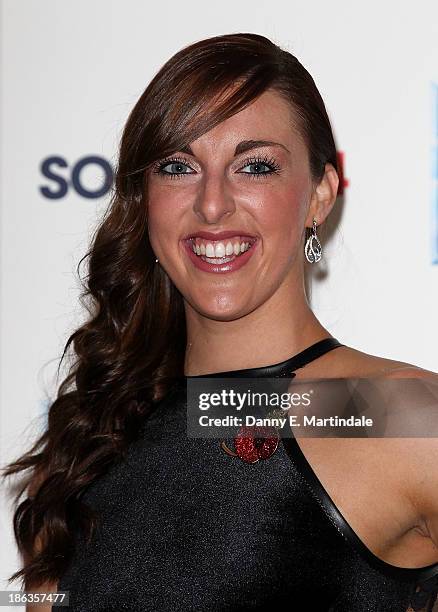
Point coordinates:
[[71, 72]]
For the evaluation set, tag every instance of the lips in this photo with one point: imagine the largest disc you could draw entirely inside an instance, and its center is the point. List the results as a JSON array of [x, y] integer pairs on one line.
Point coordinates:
[[220, 235], [203, 257]]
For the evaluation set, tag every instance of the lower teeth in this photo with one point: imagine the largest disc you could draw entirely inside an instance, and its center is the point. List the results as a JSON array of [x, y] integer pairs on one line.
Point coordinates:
[[217, 260]]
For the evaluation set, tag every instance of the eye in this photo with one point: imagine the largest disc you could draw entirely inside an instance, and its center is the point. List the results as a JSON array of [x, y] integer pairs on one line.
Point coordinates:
[[259, 167], [173, 168]]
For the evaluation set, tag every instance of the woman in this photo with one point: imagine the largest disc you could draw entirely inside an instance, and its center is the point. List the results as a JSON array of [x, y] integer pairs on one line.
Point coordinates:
[[226, 162]]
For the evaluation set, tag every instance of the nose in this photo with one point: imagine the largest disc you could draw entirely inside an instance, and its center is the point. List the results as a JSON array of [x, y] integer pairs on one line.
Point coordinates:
[[214, 200]]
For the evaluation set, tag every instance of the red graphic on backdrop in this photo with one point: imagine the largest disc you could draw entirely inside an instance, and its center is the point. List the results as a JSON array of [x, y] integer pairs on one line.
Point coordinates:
[[343, 182]]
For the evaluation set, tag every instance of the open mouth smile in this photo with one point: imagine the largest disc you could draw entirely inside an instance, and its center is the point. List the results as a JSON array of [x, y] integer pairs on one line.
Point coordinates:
[[220, 255]]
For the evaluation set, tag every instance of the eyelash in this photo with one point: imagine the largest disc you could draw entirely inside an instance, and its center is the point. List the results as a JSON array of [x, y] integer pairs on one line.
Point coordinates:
[[270, 162]]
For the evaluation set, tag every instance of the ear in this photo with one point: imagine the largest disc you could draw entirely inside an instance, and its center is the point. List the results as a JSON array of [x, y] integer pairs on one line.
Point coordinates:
[[323, 196]]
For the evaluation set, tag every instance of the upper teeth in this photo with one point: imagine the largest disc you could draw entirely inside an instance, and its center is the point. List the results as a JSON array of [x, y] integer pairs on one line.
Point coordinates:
[[219, 249]]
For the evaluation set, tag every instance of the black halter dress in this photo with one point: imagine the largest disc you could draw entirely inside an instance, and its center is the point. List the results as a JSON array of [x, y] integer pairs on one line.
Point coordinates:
[[185, 527]]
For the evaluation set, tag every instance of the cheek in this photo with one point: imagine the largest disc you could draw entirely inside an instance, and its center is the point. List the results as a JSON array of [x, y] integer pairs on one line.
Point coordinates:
[[282, 217], [157, 226], [163, 212]]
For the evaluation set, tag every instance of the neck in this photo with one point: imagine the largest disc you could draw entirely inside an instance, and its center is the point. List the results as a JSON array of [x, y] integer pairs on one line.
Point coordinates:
[[281, 327]]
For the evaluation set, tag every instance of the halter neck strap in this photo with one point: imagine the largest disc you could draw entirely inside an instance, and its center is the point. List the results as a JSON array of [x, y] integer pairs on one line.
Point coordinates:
[[283, 368]]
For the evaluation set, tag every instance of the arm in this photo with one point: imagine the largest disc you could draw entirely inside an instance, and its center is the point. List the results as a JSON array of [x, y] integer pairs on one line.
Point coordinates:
[[422, 461]]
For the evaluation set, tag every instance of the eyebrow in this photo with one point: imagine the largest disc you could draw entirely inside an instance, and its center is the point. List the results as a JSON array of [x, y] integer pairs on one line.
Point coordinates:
[[245, 145]]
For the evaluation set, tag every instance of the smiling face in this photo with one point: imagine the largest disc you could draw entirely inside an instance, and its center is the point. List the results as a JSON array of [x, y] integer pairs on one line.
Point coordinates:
[[239, 196]]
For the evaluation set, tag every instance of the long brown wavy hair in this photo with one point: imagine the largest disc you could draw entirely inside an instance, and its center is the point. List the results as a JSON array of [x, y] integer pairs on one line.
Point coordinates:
[[129, 351]]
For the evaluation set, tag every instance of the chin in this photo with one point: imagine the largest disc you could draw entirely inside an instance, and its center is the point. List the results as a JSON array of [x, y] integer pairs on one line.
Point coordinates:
[[221, 307]]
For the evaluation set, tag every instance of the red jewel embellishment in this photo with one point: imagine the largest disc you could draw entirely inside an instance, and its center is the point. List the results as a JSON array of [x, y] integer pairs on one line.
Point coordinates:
[[253, 443]]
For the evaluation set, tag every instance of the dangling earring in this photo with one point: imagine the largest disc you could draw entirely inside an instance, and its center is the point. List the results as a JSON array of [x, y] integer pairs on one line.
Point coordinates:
[[156, 260], [313, 248]]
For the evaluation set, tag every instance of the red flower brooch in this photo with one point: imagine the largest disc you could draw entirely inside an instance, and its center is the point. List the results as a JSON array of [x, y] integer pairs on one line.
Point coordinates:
[[253, 443]]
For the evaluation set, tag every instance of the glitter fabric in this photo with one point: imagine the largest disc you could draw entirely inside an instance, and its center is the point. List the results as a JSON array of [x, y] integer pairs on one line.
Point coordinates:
[[186, 527], [253, 443]]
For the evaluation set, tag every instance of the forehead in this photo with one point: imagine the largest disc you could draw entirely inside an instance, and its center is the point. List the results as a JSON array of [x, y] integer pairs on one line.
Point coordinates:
[[269, 117]]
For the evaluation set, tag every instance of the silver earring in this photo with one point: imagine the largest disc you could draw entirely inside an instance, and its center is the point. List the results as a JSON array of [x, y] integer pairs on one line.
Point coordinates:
[[156, 259], [313, 248]]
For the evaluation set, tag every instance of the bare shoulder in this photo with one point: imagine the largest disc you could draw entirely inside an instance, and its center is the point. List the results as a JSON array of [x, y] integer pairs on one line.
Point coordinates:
[[416, 468], [348, 362]]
